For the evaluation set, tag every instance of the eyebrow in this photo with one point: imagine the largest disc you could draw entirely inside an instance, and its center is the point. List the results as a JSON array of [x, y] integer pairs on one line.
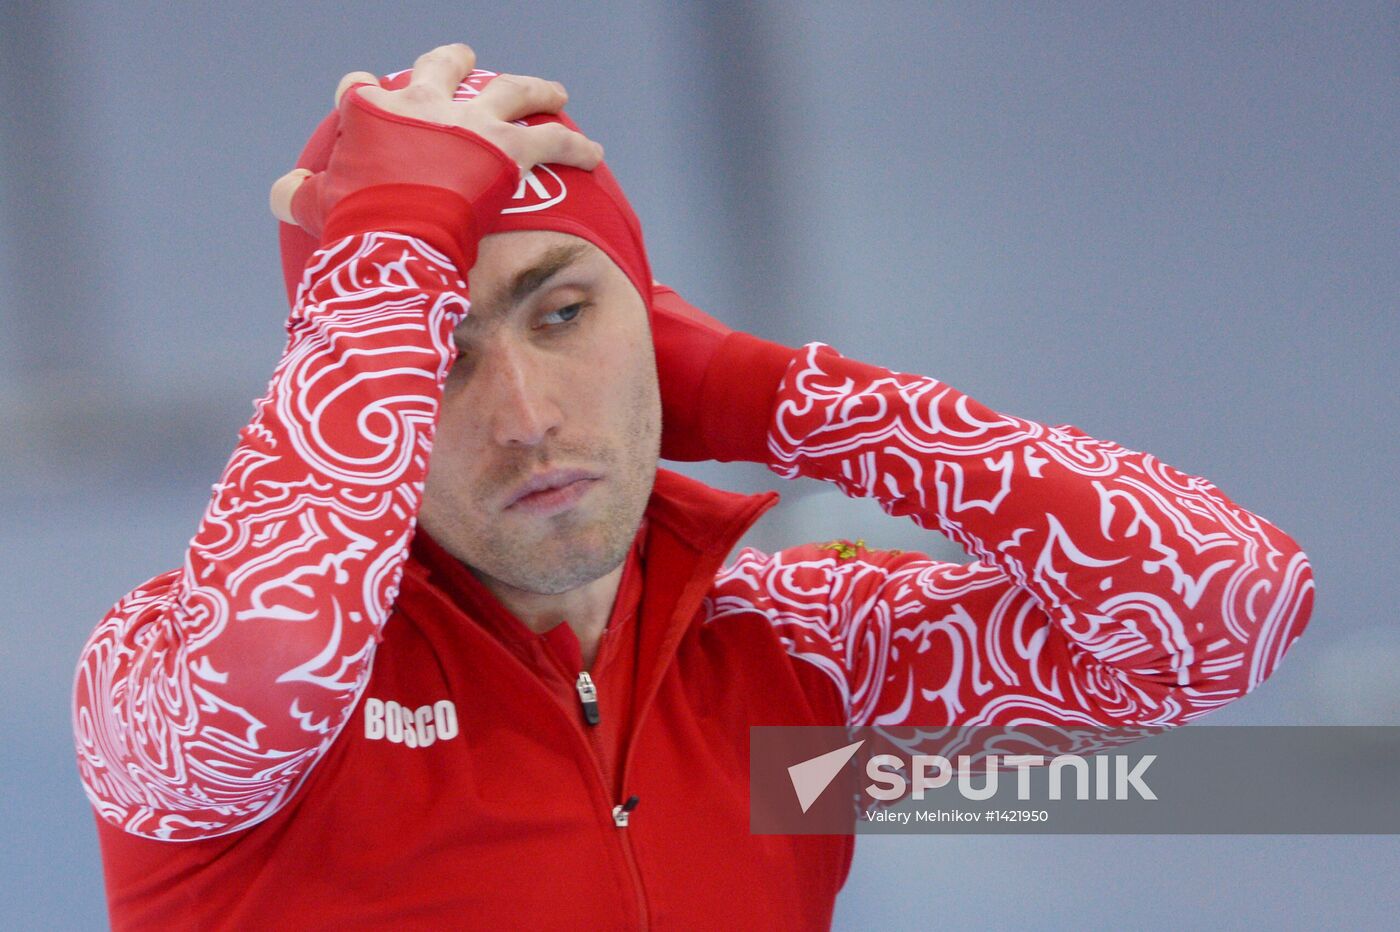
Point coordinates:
[[555, 260]]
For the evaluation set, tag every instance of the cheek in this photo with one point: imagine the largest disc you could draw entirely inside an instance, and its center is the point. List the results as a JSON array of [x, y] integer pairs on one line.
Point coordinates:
[[629, 391], [453, 435]]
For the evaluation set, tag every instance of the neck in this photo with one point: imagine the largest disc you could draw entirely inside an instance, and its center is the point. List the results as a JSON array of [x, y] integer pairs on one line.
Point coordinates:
[[586, 609]]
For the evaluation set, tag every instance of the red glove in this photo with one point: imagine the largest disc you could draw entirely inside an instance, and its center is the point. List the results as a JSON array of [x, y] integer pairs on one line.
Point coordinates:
[[414, 165], [718, 385]]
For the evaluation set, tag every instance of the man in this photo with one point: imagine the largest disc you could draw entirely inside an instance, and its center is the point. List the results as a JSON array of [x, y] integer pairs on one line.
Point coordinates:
[[448, 649]]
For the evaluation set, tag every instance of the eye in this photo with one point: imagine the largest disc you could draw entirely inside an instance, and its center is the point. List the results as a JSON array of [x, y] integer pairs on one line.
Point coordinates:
[[565, 315]]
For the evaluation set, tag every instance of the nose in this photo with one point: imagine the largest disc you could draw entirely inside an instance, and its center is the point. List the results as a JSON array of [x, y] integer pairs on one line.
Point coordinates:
[[518, 396]]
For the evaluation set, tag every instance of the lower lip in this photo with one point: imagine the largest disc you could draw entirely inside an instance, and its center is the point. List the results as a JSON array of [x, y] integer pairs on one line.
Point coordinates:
[[552, 501]]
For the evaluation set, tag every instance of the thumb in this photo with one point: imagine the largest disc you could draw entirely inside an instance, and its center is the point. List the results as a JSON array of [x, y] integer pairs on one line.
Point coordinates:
[[284, 192]]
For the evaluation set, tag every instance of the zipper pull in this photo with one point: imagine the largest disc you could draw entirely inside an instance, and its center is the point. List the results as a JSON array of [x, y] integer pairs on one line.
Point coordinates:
[[620, 812], [588, 695]]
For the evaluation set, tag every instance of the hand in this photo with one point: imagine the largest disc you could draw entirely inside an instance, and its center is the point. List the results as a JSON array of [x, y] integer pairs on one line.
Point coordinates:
[[408, 135]]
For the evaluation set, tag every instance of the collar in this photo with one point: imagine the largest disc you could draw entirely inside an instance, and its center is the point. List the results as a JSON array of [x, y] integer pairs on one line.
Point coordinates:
[[466, 591]]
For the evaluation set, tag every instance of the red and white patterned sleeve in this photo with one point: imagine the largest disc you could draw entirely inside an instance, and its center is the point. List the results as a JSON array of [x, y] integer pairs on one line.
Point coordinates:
[[207, 694], [1109, 589]]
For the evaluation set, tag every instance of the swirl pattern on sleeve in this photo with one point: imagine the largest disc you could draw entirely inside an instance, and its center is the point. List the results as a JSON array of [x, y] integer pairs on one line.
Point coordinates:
[[1109, 589], [207, 694]]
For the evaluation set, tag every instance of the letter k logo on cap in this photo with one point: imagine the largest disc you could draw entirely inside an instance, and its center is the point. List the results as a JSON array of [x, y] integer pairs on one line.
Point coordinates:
[[540, 188], [811, 777]]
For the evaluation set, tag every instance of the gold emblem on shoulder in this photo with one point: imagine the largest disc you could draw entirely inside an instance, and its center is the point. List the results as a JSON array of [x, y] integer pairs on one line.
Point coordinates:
[[847, 550]]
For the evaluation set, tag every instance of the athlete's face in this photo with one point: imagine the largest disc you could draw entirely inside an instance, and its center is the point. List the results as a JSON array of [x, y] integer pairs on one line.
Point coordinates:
[[555, 379]]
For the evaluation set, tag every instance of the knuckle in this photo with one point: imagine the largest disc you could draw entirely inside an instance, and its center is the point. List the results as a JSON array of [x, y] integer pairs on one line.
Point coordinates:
[[283, 190], [508, 135], [351, 79], [554, 138]]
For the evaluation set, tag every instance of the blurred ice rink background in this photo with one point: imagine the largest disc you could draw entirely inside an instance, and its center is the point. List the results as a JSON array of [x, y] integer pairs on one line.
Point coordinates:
[[1172, 225]]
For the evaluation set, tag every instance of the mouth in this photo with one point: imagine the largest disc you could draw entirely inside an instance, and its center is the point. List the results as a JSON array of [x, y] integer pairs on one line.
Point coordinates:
[[551, 492]]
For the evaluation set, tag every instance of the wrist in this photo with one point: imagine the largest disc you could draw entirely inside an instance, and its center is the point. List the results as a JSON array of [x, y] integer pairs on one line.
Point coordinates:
[[738, 395], [443, 219]]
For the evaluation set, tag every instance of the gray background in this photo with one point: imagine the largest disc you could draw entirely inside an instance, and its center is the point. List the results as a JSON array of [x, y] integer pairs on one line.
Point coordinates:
[[1172, 225]]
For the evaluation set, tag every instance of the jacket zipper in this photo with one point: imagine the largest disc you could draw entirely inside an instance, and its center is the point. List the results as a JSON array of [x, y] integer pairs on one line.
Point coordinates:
[[639, 713], [588, 695], [621, 812], [592, 744], [588, 699]]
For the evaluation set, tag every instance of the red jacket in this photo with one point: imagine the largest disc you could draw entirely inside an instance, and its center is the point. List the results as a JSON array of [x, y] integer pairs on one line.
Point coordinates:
[[320, 721]]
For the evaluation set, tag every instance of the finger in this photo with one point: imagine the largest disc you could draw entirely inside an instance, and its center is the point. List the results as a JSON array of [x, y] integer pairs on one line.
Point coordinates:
[[308, 204], [283, 190], [515, 96], [554, 142], [442, 69], [350, 80]]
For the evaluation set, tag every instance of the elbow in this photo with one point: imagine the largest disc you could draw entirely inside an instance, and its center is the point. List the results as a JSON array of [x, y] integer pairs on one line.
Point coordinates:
[[1266, 620], [1259, 628], [127, 731], [159, 753], [1280, 616]]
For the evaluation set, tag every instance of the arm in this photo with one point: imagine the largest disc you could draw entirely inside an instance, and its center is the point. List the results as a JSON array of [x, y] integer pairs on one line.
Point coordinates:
[[206, 696], [1109, 588]]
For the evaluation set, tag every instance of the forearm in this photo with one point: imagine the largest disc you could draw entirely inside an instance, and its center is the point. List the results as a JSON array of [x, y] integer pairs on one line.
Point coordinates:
[[1153, 572], [207, 694]]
